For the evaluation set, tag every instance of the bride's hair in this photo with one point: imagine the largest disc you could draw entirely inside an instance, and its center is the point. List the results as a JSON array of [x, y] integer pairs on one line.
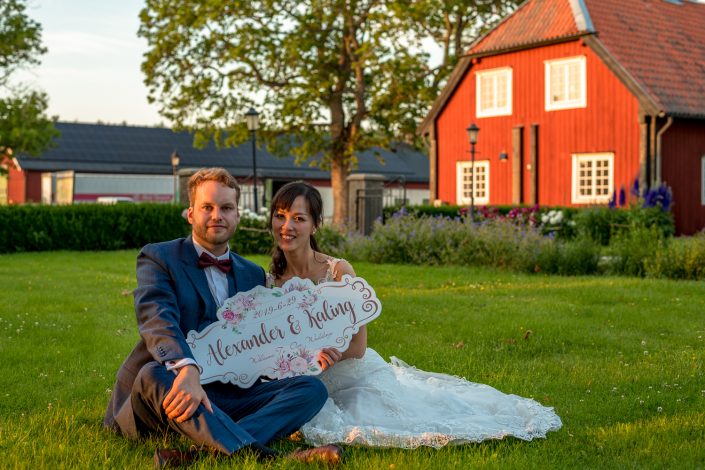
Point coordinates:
[[283, 199]]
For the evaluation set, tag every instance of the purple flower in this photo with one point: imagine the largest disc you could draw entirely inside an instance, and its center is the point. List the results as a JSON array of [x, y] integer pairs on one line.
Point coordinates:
[[613, 201], [622, 196], [635, 187]]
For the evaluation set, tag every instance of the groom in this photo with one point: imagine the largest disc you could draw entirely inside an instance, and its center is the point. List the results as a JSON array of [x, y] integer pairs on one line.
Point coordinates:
[[180, 285]]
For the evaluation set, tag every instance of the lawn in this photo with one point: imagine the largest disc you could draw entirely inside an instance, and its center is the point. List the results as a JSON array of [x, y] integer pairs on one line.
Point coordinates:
[[620, 359]]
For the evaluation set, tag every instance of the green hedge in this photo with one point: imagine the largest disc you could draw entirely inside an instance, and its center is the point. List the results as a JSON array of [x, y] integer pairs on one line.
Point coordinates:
[[122, 226], [88, 226]]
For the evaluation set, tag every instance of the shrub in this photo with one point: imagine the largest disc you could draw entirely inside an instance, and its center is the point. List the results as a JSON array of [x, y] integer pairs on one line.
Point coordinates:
[[88, 226], [631, 249], [109, 227], [680, 258], [499, 242], [601, 224], [331, 241], [252, 236]]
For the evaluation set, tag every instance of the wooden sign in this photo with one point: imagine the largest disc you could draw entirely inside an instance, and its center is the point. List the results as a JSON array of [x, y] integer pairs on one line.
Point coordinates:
[[278, 332]]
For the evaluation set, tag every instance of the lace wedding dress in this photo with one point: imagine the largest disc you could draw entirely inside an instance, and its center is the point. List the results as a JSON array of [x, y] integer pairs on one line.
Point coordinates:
[[375, 403]]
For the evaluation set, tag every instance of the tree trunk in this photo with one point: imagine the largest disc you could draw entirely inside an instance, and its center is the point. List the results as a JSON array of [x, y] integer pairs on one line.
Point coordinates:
[[338, 179]]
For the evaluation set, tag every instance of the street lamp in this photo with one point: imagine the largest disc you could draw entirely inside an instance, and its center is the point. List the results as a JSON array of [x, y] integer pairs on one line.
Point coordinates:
[[473, 130], [174, 168], [252, 118]]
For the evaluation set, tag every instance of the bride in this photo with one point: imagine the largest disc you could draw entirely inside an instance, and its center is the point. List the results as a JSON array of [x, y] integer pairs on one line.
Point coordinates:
[[375, 403]]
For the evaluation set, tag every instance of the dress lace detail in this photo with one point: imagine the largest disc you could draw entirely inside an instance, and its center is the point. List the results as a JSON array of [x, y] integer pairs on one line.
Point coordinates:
[[375, 403], [330, 275]]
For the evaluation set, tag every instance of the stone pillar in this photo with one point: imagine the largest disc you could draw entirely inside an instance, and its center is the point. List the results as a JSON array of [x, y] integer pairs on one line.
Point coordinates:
[[364, 201]]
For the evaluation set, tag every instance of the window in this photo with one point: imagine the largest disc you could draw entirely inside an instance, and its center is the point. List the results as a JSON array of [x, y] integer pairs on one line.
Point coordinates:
[[592, 178], [494, 92], [565, 83], [481, 185], [702, 180]]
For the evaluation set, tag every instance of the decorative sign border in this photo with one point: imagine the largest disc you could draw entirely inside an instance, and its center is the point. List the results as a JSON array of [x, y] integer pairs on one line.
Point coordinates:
[[278, 332]]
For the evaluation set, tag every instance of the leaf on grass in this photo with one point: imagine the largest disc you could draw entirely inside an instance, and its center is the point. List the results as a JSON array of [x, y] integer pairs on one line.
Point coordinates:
[[527, 334], [459, 345]]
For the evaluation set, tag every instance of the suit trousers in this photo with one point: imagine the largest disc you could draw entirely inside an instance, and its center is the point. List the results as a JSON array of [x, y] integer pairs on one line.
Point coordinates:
[[259, 414]]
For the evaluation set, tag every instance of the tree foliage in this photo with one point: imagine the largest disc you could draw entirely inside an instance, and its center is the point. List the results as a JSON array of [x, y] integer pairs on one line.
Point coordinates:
[[24, 126], [331, 77]]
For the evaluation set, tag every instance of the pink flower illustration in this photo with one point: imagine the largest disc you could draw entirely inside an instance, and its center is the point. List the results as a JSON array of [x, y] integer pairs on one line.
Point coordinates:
[[246, 302], [228, 315], [299, 365], [298, 286], [308, 300]]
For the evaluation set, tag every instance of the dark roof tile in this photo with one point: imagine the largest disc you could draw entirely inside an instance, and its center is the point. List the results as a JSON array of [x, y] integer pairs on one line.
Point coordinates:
[[101, 148]]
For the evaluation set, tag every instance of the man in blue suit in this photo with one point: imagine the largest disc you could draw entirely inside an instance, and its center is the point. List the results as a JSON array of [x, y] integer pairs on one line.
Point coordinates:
[[180, 285]]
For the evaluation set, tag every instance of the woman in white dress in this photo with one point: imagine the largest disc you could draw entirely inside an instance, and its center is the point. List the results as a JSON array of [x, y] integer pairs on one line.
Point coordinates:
[[375, 403]]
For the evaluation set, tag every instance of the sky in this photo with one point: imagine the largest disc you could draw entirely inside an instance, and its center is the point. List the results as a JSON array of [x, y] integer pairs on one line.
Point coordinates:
[[92, 69]]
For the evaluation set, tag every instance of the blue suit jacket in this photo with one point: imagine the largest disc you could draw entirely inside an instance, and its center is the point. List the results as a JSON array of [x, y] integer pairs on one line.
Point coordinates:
[[171, 299]]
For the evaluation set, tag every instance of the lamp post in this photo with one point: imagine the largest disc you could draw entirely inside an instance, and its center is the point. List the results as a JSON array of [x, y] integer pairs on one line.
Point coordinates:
[[174, 168], [252, 118], [473, 130]]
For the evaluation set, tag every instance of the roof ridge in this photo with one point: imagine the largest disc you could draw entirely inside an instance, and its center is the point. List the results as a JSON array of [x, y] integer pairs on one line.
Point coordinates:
[[581, 15]]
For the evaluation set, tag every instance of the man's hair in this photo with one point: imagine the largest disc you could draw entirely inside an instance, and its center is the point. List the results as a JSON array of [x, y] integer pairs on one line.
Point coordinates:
[[220, 175]]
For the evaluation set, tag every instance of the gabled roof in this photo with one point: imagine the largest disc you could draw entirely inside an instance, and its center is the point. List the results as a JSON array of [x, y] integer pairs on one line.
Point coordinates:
[[661, 44], [99, 148], [657, 47], [557, 19]]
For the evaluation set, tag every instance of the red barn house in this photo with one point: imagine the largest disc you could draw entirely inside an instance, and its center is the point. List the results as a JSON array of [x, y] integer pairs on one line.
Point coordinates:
[[574, 100]]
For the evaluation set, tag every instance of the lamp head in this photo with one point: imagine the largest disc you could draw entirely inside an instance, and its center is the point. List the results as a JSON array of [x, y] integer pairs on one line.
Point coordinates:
[[252, 118], [175, 158], [473, 130]]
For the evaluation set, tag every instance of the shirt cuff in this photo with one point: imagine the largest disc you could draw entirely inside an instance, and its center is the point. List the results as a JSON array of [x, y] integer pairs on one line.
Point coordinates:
[[177, 365]]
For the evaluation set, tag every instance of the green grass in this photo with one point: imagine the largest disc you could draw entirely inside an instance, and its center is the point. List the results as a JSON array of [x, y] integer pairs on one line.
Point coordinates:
[[620, 359]]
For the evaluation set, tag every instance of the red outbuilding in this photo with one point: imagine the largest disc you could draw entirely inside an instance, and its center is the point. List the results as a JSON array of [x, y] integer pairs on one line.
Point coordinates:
[[574, 100]]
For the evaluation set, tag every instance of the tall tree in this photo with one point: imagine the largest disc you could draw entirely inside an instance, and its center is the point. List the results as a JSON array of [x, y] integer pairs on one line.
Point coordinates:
[[334, 77], [24, 126]]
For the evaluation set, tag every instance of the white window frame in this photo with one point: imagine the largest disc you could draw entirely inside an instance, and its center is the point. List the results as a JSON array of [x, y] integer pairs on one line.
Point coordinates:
[[493, 74], [460, 189], [702, 180], [593, 157], [581, 101]]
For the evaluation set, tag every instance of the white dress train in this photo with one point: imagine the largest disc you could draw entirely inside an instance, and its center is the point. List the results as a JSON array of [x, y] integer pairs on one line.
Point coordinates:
[[379, 404], [375, 403]]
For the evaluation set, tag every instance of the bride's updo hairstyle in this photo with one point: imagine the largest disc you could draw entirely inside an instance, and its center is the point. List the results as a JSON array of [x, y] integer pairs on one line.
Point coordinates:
[[283, 200]]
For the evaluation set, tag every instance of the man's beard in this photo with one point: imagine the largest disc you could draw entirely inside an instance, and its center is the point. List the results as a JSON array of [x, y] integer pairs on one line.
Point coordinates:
[[213, 238]]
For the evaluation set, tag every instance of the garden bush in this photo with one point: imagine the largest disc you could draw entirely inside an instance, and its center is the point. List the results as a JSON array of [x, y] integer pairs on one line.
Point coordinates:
[[110, 227], [601, 224], [499, 242], [629, 250], [680, 258], [88, 226]]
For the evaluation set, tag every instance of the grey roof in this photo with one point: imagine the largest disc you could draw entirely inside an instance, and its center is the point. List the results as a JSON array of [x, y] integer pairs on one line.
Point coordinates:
[[100, 148]]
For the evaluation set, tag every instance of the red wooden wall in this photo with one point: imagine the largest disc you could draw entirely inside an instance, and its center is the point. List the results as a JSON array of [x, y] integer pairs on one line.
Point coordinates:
[[23, 186], [609, 123], [15, 186], [683, 147]]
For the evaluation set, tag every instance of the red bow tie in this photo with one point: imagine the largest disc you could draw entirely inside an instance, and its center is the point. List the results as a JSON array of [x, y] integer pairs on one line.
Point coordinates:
[[206, 260]]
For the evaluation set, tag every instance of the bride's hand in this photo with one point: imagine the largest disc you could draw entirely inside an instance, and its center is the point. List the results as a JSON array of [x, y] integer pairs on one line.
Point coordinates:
[[328, 356]]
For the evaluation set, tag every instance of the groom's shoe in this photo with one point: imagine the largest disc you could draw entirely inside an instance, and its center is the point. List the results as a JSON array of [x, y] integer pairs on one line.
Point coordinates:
[[174, 458], [329, 454]]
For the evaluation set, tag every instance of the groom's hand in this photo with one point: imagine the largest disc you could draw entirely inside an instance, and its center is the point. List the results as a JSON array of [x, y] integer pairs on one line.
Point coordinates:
[[185, 395]]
